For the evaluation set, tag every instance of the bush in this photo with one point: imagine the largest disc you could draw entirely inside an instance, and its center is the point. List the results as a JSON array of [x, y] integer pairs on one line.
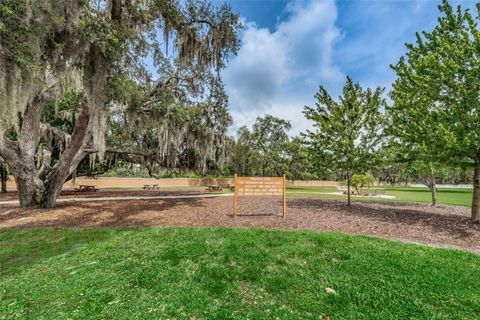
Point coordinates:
[[359, 181]]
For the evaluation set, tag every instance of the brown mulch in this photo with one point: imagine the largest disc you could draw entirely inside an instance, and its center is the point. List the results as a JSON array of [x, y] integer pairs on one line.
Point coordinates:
[[101, 193], [441, 226]]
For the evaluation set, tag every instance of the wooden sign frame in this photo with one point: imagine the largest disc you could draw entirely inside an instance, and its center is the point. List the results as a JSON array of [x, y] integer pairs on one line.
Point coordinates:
[[260, 186]]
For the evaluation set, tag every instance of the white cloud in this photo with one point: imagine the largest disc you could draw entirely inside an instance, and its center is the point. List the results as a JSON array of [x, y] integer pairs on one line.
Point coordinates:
[[257, 72], [279, 72]]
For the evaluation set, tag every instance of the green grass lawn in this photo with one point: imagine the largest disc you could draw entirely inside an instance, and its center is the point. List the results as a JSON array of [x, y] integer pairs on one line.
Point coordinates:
[[462, 197], [185, 273]]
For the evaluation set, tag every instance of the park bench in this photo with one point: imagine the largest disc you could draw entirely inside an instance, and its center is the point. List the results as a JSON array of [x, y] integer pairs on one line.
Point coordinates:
[[86, 188], [150, 187], [214, 187]]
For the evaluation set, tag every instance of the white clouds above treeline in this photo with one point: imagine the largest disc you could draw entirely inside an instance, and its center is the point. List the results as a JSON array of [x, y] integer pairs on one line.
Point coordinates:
[[278, 72]]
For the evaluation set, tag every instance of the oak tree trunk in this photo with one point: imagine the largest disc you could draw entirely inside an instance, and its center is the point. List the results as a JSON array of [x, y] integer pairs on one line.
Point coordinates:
[[3, 178], [29, 191], [68, 161], [476, 195], [41, 187], [23, 166]]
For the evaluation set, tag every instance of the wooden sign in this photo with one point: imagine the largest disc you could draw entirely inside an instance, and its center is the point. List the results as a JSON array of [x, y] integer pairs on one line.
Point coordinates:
[[260, 186]]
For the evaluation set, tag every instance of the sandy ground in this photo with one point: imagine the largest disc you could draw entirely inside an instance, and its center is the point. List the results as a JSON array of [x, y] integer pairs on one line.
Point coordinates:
[[447, 226]]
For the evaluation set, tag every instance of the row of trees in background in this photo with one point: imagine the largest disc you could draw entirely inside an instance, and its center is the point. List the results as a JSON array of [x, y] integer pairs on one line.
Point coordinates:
[[267, 150]]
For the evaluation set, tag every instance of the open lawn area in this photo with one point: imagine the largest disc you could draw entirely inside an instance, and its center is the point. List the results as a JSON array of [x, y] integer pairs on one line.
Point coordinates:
[[222, 273], [443, 225], [453, 196]]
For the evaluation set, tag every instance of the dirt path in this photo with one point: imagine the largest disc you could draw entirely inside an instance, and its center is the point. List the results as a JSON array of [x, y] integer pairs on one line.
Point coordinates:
[[443, 225]]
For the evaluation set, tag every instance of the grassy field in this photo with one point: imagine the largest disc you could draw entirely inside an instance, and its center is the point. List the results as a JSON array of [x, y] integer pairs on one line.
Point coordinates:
[[452, 196], [461, 197], [183, 273]]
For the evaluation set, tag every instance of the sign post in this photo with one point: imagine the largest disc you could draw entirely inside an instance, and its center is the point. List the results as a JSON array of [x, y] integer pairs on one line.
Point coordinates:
[[284, 196], [260, 186], [235, 197]]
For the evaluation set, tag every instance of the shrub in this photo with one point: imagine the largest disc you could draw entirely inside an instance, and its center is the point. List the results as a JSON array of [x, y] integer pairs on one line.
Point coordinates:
[[359, 181]]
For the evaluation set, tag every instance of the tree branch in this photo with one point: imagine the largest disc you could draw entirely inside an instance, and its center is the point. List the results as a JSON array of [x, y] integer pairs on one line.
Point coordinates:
[[119, 151], [9, 152], [169, 80], [46, 164], [60, 134], [116, 10], [203, 21]]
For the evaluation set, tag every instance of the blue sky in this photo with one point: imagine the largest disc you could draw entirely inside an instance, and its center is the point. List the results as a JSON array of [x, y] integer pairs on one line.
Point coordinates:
[[289, 48]]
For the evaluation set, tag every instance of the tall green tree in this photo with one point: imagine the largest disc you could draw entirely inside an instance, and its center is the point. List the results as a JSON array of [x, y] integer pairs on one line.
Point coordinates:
[[297, 162], [437, 94], [270, 139], [243, 158], [267, 150], [261, 150], [413, 164], [348, 131]]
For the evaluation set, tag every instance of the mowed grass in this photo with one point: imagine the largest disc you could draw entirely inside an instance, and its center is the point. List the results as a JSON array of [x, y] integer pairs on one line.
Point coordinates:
[[219, 273], [452, 196]]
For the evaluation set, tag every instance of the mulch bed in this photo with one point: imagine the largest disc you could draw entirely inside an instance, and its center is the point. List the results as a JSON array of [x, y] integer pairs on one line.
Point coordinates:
[[13, 195], [441, 226]]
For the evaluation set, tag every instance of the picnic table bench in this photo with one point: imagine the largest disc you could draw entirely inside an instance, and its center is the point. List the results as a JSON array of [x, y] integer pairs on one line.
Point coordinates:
[[151, 187], [214, 187], [86, 188]]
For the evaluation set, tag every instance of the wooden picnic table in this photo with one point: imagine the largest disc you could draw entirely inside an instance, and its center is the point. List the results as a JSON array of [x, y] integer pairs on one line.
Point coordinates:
[[86, 188], [150, 187], [214, 187]]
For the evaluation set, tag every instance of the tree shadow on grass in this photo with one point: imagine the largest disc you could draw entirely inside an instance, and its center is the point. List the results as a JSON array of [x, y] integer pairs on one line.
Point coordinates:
[[25, 248]]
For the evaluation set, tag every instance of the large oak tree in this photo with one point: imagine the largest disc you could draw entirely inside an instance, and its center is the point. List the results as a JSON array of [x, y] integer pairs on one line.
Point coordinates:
[[50, 48]]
